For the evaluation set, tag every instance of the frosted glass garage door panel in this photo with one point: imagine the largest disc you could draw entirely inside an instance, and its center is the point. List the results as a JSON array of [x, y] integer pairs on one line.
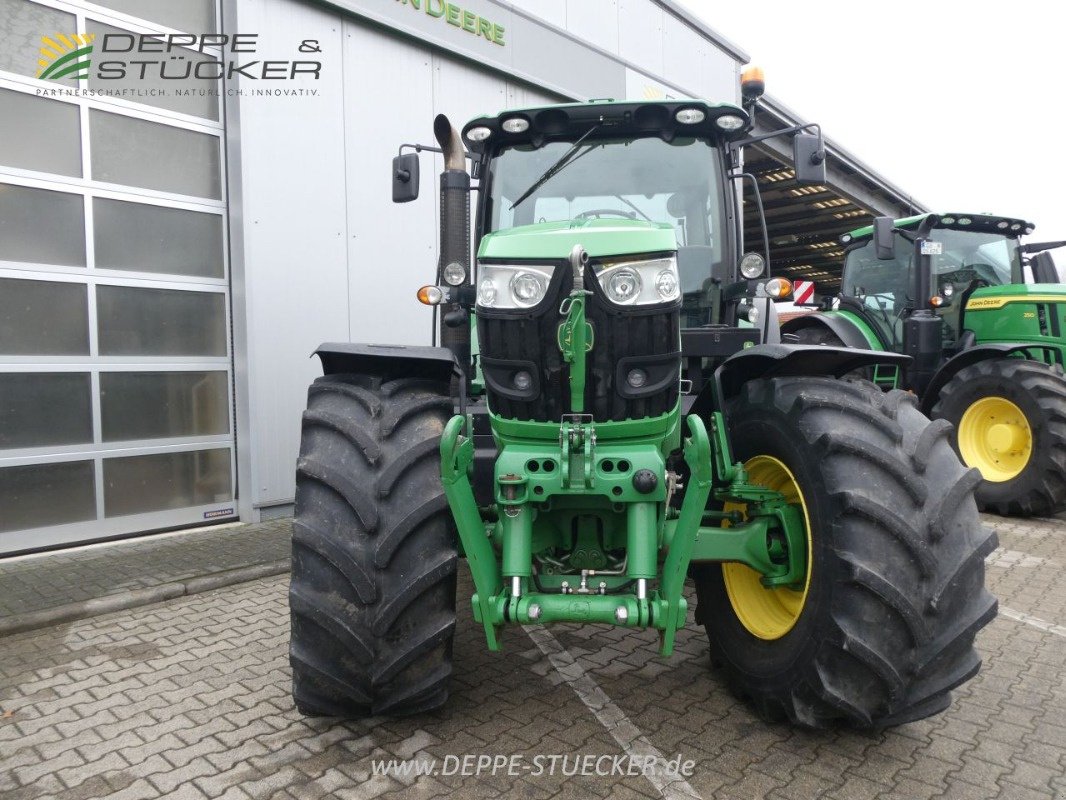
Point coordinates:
[[45, 318], [21, 26], [168, 93], [151, 405], [39, 134], [160, 322], [134, 152], [41, 409], [191, 16], [162, 481], [23, 210], [34, 495], [144, 238]]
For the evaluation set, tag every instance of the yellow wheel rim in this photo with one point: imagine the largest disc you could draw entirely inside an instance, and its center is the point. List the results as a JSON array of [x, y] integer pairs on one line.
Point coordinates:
[[995, 437], [768, 613]]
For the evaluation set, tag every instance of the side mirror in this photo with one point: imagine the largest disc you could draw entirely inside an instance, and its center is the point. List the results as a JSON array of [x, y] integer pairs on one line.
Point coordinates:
[[1044, 270], [884, 239], [808, 156], [405, 178]]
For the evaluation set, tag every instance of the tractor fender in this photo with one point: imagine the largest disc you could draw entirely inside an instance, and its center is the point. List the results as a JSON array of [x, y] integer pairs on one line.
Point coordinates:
[[972, 355], [845, 330], [388, 361], [780, 360]]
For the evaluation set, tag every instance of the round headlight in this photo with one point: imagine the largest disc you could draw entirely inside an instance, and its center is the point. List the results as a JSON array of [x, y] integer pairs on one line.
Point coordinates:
[[690, 116], [1002, 224], [666, 284], [454, 274], [729, 122], [947, 220], [965, 220], [1017, 226], [479, 134], [753, 315], [947, 290], [623, 286], [515, 125], [527, 288], [486, 293], [752, 265], [636, 378], [522, 380]]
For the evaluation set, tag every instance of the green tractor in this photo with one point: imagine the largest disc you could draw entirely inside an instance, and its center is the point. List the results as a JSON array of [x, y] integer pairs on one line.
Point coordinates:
[[596, 427], [982, 321]]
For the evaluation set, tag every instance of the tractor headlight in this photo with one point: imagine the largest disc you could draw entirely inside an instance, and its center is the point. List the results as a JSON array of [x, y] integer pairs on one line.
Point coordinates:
[[512, 285], [454, 273], [623, 285], [643, 282], [752, 265], [527, 288]]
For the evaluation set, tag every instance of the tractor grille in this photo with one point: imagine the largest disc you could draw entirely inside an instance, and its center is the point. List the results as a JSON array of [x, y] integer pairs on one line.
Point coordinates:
[[624, 338]]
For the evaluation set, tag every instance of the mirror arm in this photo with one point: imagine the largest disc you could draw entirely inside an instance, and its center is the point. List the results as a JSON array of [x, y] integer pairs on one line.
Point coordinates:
[[793, 129], [765, 235], [762, 215], [418, 148]]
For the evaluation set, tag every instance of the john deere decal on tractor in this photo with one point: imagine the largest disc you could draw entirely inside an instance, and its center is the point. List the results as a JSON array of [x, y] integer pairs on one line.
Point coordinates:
[[597, 426]]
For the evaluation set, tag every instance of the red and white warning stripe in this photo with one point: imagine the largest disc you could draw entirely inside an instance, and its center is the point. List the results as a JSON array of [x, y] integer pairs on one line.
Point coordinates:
[[803, 293]]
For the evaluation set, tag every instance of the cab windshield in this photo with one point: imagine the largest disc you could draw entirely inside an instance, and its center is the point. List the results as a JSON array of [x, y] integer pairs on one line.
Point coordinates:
[[677, 182]]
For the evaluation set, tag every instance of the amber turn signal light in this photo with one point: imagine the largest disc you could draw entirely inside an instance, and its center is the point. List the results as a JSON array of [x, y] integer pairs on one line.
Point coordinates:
[[430, 296]]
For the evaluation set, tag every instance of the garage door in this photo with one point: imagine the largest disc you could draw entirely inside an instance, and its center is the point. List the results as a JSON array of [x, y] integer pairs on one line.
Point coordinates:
[[115, 362]]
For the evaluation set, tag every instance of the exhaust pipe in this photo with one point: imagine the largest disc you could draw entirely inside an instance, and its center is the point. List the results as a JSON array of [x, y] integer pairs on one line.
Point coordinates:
[[450, 142], [454, 236]]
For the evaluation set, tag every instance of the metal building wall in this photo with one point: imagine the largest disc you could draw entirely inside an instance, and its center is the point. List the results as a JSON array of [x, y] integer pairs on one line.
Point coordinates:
[[319, 251]]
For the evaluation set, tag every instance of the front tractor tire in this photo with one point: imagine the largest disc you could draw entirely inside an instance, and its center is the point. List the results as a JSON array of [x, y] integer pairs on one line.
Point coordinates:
[[882, 629], [1009, 416], [372, 594]]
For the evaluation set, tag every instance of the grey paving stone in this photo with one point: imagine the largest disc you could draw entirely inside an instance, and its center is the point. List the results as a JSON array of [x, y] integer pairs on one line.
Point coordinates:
[[190, 699]]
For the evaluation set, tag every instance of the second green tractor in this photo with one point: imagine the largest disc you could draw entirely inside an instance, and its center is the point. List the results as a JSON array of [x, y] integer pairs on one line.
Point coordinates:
[[982, 317]]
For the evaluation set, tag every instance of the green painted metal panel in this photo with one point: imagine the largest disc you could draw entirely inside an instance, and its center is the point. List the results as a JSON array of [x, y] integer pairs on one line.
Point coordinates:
[[599, 237]]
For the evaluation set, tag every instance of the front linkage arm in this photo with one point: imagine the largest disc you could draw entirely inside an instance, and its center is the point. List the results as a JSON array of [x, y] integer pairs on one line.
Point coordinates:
[[494, 605]]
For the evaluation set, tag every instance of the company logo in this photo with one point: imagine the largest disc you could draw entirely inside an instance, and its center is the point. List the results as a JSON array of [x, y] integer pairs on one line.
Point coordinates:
[[65, 54], [462, 18]]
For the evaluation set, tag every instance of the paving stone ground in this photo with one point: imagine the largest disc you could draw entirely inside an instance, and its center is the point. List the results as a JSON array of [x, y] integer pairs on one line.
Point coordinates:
[[48, 580], [190, 699]]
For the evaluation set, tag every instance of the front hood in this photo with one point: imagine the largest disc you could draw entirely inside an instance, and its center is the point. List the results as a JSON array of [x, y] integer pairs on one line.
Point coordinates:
[[992, 297], [599, 237]]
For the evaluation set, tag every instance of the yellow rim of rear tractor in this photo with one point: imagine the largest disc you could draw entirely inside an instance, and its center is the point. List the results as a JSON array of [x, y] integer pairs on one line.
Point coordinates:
[[768, 613], [995, 437]]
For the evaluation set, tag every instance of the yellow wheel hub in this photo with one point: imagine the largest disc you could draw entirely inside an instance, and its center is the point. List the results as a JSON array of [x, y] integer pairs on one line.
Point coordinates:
[[995, 437], [768, 613]]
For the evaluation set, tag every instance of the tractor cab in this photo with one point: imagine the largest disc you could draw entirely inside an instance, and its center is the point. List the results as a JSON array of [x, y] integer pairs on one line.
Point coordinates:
[[972, 252]]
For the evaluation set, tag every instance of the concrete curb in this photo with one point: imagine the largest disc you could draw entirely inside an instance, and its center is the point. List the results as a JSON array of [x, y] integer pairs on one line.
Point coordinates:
[[139, 597]]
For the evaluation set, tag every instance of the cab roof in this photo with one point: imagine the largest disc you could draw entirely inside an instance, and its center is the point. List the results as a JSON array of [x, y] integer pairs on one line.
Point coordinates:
[[958, 221], [619, 118]]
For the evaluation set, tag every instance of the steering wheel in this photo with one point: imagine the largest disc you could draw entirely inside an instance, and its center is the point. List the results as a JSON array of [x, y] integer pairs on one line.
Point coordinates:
[[600, 212], [961, 275]]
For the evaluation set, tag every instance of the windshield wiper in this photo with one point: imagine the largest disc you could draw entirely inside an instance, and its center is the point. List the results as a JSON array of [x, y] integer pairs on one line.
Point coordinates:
[[551, 171]]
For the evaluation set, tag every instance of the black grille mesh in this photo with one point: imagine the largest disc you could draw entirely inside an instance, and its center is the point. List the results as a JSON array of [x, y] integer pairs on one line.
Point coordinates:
[[618, 333]]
